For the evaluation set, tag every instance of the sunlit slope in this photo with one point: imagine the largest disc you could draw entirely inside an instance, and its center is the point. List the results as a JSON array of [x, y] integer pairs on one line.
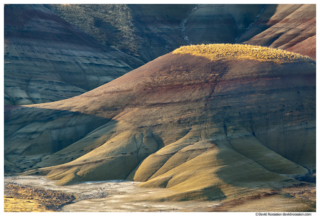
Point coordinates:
[[208, 128]]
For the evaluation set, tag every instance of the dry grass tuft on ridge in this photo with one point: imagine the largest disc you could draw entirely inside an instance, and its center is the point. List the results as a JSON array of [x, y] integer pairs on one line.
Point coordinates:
[[240, 51]]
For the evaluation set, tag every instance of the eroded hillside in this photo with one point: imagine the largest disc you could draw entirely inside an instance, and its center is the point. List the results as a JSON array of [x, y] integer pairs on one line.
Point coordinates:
[[286, 27], [149, 31], [111, 24], [54, 52], [47, 59], [208, 129]]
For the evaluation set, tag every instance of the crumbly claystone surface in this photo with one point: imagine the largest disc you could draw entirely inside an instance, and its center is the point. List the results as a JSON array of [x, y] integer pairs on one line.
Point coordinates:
[[285, 26], [207, 129], [126, 196]]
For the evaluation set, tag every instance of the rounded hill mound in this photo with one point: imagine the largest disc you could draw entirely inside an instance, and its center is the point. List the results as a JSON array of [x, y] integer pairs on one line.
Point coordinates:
[[207, 128]]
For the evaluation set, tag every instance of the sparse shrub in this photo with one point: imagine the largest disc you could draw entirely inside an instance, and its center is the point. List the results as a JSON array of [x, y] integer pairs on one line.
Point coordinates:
[[111, 24], [240, 51]]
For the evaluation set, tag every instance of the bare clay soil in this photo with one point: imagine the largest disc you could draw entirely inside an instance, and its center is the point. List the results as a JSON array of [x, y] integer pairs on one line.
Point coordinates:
[[37, 193]]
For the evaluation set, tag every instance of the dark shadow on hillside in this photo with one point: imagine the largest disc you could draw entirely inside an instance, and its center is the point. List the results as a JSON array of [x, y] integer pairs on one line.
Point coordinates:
[[259, 25], [33, 131]]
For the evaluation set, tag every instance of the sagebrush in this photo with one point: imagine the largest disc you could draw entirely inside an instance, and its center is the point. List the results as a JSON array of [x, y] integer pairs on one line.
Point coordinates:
[[240, 51]]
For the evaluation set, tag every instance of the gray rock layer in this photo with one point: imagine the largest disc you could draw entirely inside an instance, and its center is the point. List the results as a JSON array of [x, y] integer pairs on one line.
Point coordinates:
[[47, 59], [205, 129]]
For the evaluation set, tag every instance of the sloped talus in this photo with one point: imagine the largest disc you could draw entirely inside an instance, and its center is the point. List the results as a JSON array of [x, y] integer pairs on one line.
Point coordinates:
[[209, 122], [47, 59]]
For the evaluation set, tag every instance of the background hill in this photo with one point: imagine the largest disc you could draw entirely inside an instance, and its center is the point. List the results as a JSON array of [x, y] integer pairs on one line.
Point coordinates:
[[287, 27], [54, 52], [47, 59], [149, 31]]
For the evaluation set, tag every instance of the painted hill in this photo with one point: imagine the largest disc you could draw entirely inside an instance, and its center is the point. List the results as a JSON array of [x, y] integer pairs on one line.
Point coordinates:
[[54, 52], [207, 126], [149, 31], [288, 27], [47, 59], [145, 31]]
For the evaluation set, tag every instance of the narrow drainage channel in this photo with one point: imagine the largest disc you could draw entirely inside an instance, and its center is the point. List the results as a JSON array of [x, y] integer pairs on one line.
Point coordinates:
[[251, 24], [183, 26]]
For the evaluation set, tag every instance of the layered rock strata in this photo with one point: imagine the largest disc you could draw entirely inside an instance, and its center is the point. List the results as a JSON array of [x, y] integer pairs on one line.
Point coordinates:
[[149, 31], [207, 125], [47, 59], [286, 27]]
